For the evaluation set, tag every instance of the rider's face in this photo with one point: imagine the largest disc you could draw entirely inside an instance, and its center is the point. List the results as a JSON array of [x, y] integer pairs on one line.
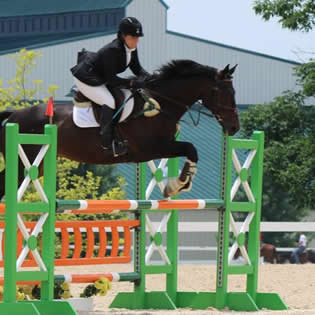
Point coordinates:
[[131, 41]]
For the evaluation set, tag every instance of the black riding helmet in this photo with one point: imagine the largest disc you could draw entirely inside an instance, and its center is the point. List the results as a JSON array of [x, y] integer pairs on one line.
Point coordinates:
[[130, 26]]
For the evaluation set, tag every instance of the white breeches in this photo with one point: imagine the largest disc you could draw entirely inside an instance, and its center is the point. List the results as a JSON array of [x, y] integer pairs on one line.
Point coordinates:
[[98, 94]]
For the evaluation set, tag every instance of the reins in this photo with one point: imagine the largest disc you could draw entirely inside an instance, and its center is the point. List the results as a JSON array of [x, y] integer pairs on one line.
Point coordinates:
[[188, 108]]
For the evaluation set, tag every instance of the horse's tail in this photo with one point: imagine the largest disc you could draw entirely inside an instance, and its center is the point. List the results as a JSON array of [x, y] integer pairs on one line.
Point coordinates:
[[4, 115]]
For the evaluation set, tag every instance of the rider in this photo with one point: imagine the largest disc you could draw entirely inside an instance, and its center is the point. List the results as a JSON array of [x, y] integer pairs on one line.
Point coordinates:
[[301, 245], [93, 74]]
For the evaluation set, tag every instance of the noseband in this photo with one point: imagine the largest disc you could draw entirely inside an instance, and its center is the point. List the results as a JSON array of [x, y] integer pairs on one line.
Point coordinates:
[[214, 100]]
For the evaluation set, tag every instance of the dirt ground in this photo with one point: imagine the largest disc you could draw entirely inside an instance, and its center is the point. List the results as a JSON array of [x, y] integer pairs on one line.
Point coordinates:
[[294, 283]]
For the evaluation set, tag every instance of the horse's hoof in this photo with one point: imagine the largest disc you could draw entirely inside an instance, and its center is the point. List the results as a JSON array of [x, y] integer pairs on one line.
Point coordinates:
[[166, 193], [187, 187], [172, 187]]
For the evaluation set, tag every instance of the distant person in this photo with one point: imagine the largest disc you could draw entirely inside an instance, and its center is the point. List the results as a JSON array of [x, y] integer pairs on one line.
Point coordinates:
[[301, 245]]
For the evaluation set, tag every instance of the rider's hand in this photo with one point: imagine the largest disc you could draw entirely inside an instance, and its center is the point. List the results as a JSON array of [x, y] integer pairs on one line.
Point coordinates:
[[137, 84]]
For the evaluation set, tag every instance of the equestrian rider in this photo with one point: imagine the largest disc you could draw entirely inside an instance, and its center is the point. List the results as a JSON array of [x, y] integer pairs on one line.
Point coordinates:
[[96, 72]]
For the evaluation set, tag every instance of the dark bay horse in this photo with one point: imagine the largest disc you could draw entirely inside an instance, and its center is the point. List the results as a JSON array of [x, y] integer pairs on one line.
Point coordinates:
[[176, 86]]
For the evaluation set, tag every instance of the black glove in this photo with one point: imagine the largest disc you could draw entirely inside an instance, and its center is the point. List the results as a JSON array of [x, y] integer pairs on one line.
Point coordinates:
[[137, 84]]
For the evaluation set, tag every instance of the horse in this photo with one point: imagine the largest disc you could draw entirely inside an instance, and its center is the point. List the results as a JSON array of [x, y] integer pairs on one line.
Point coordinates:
[[305, 257], [268, 251], [270, 254], [176, 86]]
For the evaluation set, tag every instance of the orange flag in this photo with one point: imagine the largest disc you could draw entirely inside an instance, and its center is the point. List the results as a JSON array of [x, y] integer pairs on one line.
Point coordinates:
[[50, 107]]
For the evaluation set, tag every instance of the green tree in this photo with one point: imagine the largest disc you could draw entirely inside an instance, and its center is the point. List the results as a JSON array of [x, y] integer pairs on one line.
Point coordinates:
[[306, 78], [292, 14], [19, 91], [289, 163], [105, 172], [71, 186], [295, 15], [290, 154]]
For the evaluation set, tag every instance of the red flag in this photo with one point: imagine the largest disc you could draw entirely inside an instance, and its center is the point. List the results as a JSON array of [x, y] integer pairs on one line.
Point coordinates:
[[50, 107]]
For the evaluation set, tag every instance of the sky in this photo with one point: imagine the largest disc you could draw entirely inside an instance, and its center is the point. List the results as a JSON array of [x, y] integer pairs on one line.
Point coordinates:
[[234, 23]]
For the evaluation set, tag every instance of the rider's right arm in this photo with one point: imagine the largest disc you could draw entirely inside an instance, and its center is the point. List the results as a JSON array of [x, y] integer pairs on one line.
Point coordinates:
[[109, 66]]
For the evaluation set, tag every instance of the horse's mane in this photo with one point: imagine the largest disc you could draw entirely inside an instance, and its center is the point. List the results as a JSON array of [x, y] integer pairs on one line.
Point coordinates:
[[183, 68]]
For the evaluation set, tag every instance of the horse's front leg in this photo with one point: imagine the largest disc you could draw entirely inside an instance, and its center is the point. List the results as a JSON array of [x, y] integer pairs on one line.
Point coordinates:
[[184, 181]]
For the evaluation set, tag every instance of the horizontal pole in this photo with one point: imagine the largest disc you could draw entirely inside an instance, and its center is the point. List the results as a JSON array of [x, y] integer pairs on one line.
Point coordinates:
[[86, 278], [244, 144], [33, 139], [202, 227], [32, 275], [240, 269], [107, 206], [28, 207]]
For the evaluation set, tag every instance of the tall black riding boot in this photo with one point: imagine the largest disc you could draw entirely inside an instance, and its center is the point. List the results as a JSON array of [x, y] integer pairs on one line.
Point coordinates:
[[107, 133], [106, 128]]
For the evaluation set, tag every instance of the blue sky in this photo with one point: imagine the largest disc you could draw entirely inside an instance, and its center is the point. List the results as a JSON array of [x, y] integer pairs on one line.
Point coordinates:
[[234, 23]]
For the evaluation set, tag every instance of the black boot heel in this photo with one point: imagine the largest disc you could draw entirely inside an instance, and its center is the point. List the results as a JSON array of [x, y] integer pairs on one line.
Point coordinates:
[[120, 148]]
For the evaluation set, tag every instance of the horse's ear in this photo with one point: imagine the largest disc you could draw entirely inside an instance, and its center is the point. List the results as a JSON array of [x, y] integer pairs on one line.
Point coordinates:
[[226, 69], [226, 73], [231, 71], [221, 74]]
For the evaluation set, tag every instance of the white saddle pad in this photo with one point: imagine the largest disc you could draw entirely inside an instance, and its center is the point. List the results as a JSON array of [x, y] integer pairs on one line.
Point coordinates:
[[83, 117]]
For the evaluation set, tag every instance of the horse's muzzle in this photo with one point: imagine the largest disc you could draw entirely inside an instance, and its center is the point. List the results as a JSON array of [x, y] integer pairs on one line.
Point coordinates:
[[231, 130]]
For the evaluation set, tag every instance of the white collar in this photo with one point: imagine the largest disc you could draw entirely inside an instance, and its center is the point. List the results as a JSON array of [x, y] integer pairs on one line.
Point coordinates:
[[129, 50]]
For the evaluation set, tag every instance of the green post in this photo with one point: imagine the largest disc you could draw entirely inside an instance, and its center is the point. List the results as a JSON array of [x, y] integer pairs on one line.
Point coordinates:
[[140, 299], [11, 187], [250, 300], [172, 239], [263, 300], [223, 224], [14, 211], [254, 229], [137, 299], [140, 241], [50, 170]]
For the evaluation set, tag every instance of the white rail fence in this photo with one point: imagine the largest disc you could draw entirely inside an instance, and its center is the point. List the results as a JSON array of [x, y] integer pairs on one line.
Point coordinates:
[[212, 227]]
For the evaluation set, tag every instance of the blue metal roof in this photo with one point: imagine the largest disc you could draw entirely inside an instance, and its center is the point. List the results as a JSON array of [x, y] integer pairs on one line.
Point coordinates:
[[8, 45], [11, 8]]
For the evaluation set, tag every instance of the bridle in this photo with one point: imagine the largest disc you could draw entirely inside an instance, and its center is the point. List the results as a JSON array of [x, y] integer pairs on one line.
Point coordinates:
[[189, 109], [200, 112]]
